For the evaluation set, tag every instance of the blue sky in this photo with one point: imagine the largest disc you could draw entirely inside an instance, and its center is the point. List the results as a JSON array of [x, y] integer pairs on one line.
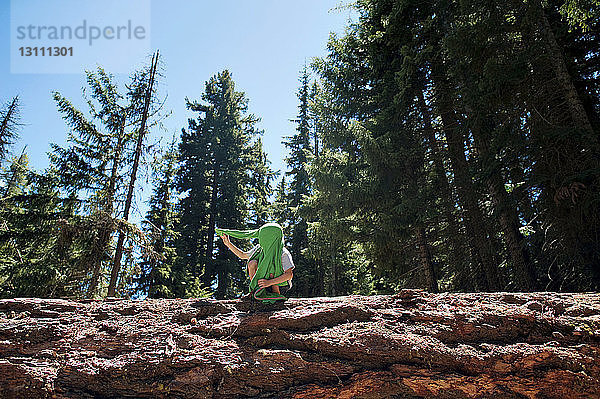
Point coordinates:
[[264, 43]]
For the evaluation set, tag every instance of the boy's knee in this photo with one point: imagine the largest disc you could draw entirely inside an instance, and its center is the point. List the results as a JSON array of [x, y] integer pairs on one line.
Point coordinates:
[[252, 266]]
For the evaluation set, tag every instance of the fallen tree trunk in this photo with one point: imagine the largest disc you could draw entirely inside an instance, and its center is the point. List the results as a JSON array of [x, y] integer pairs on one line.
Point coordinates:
[[413, 344]]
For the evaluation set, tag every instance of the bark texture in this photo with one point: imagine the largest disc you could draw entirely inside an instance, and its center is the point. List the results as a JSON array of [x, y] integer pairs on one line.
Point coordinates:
[[409, 345]]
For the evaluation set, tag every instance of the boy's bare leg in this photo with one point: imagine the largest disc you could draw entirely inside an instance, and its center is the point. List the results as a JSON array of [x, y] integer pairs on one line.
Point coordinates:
[[252, 266], [274, 288]]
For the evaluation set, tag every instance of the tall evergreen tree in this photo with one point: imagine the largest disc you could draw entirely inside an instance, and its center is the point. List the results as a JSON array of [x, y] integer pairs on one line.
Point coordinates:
[[216, 165], [93, 165], [35, 260], [142, 91], [449, 111], [281, 210]]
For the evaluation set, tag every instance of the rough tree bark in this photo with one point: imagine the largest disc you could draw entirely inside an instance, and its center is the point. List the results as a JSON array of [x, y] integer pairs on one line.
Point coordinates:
[[409, 345], [578, 114]]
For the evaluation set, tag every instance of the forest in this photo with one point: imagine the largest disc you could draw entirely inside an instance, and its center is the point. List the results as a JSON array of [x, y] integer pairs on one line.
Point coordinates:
[[442, 145]]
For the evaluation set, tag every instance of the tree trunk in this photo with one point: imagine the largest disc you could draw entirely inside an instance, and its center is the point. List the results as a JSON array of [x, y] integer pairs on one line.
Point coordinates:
[[96, 255], [457, 256], [505, 209], [472, 214], [222, 283], [333, 268], [114, 274], [207, 277], [316, 139], [425, 259], [513, 238], [320, 278], [576, 110], [412, 345], [487, 276]]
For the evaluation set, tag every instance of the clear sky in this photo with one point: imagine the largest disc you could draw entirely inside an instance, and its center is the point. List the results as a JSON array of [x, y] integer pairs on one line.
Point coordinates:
[[264, 43]]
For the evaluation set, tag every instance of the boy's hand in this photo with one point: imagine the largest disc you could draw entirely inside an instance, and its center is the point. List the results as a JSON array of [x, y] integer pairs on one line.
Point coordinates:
[[225, 239], [263, 283]]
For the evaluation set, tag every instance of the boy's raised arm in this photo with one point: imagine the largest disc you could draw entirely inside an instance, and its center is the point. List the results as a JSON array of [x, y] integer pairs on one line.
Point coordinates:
[[238, 252]]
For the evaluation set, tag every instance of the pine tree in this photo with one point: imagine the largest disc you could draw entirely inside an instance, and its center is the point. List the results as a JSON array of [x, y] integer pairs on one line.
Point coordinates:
[[34, 260], [450, 112], [562, 136], [92, 167], [336, 247], [216, 165], [281, 210], [14, 175], [192, 185]]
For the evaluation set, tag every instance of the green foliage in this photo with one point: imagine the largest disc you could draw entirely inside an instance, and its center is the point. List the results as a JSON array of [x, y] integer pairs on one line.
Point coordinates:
[[260, 185], [59, 225], [293, 192], [35, 260], [9, 124], [94, 164]]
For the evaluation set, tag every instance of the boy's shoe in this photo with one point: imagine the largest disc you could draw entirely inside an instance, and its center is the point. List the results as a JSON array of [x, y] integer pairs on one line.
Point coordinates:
[[246, 298]]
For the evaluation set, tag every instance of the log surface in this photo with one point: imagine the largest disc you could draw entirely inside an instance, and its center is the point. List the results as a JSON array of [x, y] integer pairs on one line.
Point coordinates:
[[409, 345]]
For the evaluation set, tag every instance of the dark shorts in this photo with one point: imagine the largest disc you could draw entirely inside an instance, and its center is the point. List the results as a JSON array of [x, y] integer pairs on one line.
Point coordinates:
[[283, 289]]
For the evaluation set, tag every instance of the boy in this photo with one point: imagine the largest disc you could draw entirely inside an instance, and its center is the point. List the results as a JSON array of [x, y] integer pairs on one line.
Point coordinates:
[[276, 271]]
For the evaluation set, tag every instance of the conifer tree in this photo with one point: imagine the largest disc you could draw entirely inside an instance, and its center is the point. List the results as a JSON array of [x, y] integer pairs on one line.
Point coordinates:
[[453, 108], [216, 165], [93, 165], [34, 260], [281, 210], [260, 185]]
